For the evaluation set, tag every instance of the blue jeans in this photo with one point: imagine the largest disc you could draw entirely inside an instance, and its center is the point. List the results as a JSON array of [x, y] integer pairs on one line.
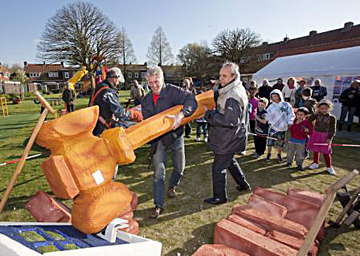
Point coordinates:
[[344, 111], [203, 126], [178, 158]]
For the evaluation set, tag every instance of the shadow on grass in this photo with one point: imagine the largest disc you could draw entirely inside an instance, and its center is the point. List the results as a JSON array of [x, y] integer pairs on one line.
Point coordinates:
[[24, 182], [327, 247], [201, 236]]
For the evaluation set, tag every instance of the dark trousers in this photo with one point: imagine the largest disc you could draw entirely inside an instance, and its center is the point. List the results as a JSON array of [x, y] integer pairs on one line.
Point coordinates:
[[221, 163], [344, 112], [252, 126], [187, 130], [260, 144], [70, 107]]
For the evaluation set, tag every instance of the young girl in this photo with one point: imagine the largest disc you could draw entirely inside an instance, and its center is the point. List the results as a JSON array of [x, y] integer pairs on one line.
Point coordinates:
[[324, 132]]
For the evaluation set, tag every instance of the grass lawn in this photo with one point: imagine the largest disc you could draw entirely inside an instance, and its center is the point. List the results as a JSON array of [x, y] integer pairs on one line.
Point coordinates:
[[187, 222]]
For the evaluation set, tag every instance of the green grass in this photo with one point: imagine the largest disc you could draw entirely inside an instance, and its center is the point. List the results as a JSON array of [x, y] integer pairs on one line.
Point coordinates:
[[187, 222]]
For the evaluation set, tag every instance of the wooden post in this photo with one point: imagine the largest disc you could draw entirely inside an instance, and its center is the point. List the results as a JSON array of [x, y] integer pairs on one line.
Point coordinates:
[[320, 217], [29, 145]]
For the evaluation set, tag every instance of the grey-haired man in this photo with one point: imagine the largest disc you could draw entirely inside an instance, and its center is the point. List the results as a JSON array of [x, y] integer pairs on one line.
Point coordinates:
[[162, 97]]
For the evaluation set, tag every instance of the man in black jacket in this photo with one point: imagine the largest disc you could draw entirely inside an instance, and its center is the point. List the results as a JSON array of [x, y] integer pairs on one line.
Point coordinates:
[[68, 97], [105, 96], [227, 133], [349, 99], [162, 97]]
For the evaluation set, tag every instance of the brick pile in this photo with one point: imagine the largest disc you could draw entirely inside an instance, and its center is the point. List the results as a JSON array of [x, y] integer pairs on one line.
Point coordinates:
[[271, 224]]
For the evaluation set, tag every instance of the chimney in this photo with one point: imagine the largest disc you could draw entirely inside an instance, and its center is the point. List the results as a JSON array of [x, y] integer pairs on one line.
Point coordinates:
[[25, 64], [286, 39], [265, 43], [44, 63], [348, 26], [62, 63], [312, 33]]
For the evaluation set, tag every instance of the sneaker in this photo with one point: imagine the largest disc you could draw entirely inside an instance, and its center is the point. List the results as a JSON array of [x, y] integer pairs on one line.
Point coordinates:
[[279, 158], [156, 213], [313, 166], [331, 170], [172, 192], [288, 165], [300, 168], [197, 139], [257, 155], [206, 139], [268, 157]]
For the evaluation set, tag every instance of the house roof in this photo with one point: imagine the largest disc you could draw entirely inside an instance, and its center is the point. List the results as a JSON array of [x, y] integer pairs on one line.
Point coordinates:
[[29, 68], [314, 42]]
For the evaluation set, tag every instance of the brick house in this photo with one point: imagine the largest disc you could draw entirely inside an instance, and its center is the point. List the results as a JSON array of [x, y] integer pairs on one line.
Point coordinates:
[[54, 76], [172, 73]]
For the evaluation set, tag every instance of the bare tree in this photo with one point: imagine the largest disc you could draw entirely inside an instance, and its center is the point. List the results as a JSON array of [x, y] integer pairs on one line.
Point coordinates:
[[126, 51], [196, 60], [159, 51], [76, 34], [234, 45]]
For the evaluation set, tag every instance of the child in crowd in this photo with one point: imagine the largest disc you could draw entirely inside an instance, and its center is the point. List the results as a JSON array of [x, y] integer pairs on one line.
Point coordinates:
[[254, 104], [324, 132], [306, 101], [261, 127], [299, 132], [280, 116]]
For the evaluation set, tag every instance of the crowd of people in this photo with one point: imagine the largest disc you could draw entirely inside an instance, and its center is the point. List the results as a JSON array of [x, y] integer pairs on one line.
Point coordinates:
[[267, 112]]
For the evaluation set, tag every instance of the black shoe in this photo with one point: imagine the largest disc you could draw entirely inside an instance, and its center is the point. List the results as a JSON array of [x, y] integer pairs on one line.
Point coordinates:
[[287, 164], [268, 157], [187, 136], [171, 192], [214, 200], [300, 168], [279, 158], [349, 128], [243, 187]]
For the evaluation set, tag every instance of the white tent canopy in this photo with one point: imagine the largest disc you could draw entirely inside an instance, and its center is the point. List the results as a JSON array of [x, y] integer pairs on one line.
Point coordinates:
[[342, 62], [326, 65]]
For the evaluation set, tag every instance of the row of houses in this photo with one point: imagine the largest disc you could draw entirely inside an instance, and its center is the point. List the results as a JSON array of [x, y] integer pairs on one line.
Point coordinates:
[[56, 75]]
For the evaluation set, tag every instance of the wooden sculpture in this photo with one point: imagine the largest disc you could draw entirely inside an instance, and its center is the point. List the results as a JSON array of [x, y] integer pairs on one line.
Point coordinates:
[[81, 166]]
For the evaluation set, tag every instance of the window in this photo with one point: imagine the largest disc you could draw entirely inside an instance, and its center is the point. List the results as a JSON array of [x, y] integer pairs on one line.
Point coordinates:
[[242, 60], [129, 75], [35, 74], [143, 74], [169, 74], [67, 75], [53, 74], [136, 74], [266, 56]]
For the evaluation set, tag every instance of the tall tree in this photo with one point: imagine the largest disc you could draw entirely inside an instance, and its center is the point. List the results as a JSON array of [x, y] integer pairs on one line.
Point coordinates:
[[77, 34], [234, 45], [159, 51], [126, 51], [196, 60]]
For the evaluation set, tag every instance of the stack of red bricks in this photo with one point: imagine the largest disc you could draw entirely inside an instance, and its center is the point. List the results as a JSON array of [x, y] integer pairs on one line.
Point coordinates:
[[272, 224]]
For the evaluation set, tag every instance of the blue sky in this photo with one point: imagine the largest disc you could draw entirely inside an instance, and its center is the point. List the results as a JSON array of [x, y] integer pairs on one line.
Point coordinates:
[[183, 21]]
